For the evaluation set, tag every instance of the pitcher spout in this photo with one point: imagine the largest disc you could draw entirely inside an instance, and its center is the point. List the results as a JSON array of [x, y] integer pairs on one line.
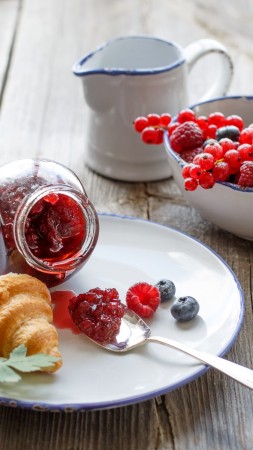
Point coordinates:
[[107, 59], [131, 55]]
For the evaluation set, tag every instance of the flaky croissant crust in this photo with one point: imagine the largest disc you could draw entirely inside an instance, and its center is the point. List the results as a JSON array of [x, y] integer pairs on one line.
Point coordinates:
[[26, 317]]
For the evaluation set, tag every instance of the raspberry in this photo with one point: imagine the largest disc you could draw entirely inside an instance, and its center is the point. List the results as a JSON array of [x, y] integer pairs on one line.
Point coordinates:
[[186, 136], [97, 313], [246, 174], [143, 299], [189, 155]]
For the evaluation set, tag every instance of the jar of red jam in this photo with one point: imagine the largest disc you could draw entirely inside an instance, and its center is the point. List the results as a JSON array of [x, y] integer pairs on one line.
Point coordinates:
[[49, 227]]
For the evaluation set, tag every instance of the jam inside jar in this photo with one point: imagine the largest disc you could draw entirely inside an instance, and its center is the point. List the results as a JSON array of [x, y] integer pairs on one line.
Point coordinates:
[[49, 227]]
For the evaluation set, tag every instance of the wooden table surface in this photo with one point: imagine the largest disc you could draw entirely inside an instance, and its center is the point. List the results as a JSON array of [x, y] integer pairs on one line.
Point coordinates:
[[42, 115]]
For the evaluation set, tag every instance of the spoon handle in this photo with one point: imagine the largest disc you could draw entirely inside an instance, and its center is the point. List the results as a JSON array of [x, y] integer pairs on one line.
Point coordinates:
[[233, 370]]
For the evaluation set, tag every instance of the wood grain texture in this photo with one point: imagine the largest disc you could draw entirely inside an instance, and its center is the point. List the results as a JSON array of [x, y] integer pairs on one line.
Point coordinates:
[[9, 14], [43, 115]]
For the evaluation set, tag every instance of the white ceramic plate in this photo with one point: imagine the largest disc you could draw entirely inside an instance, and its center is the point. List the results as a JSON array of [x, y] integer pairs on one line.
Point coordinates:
[[131, 250]]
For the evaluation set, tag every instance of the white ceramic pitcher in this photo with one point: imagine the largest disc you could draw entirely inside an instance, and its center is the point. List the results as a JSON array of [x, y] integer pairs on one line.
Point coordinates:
[[133, 76]]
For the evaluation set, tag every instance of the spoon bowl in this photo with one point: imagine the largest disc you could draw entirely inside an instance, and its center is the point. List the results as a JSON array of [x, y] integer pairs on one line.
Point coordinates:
[[134, 332]]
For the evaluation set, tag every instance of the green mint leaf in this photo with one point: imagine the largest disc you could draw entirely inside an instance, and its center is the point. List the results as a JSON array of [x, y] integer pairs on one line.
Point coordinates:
[[32, 363], [18, 352], [19, 360], [7, 375]]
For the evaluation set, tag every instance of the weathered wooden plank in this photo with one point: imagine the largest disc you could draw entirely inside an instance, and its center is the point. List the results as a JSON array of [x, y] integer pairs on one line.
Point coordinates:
[[9, 12]]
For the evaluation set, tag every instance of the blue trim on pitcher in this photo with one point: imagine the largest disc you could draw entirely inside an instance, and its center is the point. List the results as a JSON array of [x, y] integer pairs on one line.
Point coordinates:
[[77, 67]]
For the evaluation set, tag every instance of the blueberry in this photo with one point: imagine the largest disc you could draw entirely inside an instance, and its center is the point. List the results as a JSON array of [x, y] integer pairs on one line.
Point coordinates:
[[167, 289], [229, 131], [185, 308]]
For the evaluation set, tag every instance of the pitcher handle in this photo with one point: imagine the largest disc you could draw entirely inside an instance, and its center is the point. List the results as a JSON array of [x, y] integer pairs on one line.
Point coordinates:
[[202, 47]]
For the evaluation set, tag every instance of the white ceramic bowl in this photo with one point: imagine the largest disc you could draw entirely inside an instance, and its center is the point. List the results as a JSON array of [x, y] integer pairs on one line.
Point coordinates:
[[226, 205]]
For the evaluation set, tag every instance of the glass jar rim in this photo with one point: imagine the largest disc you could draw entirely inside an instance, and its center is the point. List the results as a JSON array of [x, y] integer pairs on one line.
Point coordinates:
[[91, 235]]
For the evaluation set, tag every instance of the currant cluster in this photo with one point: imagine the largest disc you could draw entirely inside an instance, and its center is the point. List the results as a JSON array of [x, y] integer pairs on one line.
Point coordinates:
[[152, 127], [215, 147]]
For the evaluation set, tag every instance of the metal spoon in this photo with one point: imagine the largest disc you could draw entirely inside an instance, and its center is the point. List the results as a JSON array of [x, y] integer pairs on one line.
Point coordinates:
[[135, 332]]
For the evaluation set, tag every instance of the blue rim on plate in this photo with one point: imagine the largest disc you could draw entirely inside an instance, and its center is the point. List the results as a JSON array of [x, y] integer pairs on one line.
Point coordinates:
[[151, 393]]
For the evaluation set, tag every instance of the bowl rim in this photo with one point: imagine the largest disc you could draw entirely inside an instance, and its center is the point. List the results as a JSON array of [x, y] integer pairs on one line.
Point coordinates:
[[182, 163], [222, 98]]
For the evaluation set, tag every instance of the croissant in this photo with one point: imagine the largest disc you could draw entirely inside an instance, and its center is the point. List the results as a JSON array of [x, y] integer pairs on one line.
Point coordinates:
[[26, 317]]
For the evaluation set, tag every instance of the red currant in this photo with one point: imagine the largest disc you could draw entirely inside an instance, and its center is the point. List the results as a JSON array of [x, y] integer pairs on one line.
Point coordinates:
[[202, 122], [140, 123], [206, 180], [149, 135], [186, 115], [195, 171], [245, 152], [153, 119], [246, 136], [210, 133], [216, 118], [190, 184], [165, 120], [221, 171], [159, 136], [232, 157], [214, 149], [235, 120], [227, 144], [204, 160], [172, 127], [186, 170]]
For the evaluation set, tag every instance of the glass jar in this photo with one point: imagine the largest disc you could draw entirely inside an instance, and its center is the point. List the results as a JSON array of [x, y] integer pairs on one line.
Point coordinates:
[[49, 227]]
